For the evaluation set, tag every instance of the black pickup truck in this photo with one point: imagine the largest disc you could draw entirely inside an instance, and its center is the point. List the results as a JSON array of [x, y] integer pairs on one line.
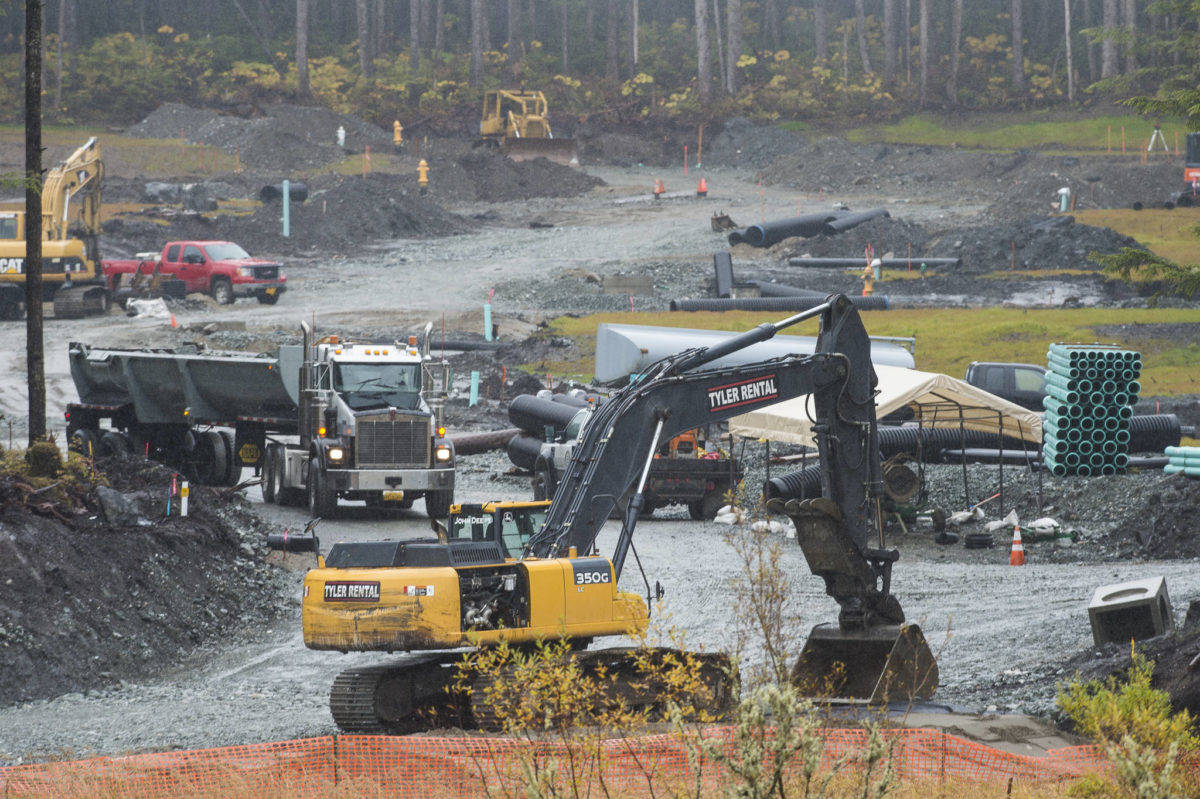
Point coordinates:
[[1020, 383]]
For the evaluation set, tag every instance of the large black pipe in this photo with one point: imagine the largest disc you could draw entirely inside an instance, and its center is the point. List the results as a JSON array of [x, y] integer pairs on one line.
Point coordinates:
[[474, 443], [872, 303], [532, 414], [273, 192], [847, 221], [801, 484], [769, 233], [890, 263], [523, 451], [984, 455], [1154, 432], [723, 267], [567, 399], [466, 345], [780, 290]]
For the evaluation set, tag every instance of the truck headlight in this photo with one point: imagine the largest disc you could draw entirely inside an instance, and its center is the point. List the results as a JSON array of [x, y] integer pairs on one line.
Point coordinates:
[[245, 271], [442, 453], [335, 453]]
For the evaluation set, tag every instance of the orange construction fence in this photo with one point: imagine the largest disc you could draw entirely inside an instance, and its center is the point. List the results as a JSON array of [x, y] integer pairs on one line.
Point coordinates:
[[470, 766]]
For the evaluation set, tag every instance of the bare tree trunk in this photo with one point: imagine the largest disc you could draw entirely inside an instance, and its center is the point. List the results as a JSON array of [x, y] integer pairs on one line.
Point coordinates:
[[566, 38], [1131, 63], [703, 53], [772, 23], [485, 24], [1018, 48], [365, 62], [845, 53], [1093, 66], [634, 36], [821, 29], [589, 22], [379, 34], [514, 31], [720, 43], [611, 20], [62, 38], [956, 10], [34, 355], [302, 84], [923, 14], [733, 11], [476, 71], [860, 23], [889, 41], [414, 36], [1108, 48], [1070, 61], [439, 28], [907, 52]]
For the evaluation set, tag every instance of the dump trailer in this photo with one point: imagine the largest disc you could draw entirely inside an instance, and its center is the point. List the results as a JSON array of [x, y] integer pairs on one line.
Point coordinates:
[[518, 123], [318, 421], [431, 595]]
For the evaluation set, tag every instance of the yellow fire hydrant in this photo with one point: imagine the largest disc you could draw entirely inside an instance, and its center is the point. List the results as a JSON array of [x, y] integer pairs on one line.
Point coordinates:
[[868, 279], [397, 136], [423, 176]]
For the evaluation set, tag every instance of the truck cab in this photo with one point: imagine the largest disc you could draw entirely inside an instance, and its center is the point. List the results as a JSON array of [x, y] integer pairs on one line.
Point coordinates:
[[1021, 383], [221, 269]]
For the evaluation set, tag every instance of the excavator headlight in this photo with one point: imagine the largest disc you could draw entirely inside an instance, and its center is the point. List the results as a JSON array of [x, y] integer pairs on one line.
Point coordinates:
[[335, 453], [442, 453]]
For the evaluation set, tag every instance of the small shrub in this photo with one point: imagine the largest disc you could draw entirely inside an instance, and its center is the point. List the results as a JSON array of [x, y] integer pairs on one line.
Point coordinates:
[[44, 459]]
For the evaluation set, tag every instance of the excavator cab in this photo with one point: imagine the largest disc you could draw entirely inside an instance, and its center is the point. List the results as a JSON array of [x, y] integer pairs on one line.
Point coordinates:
[[518, 122], [510, 524]]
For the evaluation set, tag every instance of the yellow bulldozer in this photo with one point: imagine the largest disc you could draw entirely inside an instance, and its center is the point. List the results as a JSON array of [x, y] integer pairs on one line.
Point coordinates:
[[71, 271], [518, 123]]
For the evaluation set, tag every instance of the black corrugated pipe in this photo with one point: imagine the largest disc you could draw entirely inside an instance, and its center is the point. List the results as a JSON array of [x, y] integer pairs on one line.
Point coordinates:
[[894, 440], [853, 261], [532, 414], [780, 290], [873, 303], [567, 399], [801, 484], [474, 443], [769, 233], [847, 221], [523, 451], [1154, 432], [466, 344], [273, 192]]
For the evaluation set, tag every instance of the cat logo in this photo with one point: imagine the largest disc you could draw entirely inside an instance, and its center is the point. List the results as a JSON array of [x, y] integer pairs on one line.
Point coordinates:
[[12, 266]]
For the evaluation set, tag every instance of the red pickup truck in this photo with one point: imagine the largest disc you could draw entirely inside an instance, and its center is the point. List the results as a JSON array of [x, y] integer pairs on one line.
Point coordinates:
[[220, 268]]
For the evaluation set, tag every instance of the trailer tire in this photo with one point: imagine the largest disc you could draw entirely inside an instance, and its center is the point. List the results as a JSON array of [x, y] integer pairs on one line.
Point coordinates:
[[268, 479], [233, 464], [115, 445], [322, 503], [705, 509], [437, 503], [85, 441], [221, 290]]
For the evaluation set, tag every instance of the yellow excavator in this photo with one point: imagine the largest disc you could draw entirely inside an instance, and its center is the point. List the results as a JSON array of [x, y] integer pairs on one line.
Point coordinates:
[[431, 597], [72, 274], [518, 123]]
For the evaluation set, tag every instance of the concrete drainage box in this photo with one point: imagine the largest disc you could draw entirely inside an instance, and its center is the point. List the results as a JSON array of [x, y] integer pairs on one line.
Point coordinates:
[[1134, 610]]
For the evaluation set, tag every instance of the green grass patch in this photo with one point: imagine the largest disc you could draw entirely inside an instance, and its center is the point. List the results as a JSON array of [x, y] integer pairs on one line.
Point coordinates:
[[126, 156], [1023, 274], [948, 339], [794, 125], [1166, 233], [1041, 131]]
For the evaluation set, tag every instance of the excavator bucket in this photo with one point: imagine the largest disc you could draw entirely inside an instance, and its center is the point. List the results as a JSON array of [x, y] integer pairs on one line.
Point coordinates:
[[889, 663], [561, 151]]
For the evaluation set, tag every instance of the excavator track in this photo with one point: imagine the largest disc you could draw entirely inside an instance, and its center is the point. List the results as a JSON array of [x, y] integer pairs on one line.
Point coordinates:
[[416, 693], [74, 302]]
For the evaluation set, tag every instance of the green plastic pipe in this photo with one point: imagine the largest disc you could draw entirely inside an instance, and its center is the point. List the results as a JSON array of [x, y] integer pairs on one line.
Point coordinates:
[[1190, 471], [1121, 437], [1084, 447], [1120, 460], [1069, 397], [1183, 452], [1083, 470], [1071, 459]]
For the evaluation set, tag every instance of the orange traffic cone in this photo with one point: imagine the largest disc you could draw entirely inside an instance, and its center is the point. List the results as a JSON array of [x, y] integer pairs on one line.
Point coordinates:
[[702, 188], [1017, 558], [173, 322], [659, 188]]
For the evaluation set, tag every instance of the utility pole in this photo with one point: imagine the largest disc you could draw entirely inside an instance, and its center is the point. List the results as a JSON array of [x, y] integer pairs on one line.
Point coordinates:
[[35, 360]]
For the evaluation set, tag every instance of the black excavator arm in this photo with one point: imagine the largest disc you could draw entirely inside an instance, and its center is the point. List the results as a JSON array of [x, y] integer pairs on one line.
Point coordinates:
[[675, 395]]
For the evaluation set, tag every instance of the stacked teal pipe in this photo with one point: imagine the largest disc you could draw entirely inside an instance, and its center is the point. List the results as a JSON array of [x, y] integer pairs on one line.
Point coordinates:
[[1090, 389], [1183, 460]]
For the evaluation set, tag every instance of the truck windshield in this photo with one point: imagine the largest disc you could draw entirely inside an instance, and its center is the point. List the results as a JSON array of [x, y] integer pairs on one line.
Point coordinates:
[[375, 385], [225, 251]]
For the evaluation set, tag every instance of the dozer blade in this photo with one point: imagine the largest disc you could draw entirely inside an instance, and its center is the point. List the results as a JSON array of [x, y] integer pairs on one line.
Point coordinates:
[[888, 663], [561, 151], [73, 302]]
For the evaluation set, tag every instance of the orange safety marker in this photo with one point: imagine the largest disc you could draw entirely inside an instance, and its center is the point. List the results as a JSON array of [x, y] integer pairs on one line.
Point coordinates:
[[685, 160], [1017, 558], [1122, 140], [173, 322], [701, 188], [659, 189]]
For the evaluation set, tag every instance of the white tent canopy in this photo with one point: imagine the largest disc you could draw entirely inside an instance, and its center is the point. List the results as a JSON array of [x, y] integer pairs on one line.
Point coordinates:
[[937, 400]]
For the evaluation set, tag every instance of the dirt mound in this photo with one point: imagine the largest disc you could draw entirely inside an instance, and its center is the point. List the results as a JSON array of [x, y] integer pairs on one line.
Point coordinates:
[[744, 143], [286, 137], [1160, 522], [86, 603], [487, 176], [1057, 242], [1172, 655]]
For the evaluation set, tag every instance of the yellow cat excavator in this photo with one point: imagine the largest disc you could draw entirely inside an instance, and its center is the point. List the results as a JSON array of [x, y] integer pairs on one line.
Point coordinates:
[[72, 274], [433, 596], [518, 122]]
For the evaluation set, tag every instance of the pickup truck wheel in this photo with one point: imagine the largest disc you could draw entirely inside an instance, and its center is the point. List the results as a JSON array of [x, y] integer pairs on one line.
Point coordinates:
[[267, 299], [437, 504], [221, 290], [268, 476], [321, 501]]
